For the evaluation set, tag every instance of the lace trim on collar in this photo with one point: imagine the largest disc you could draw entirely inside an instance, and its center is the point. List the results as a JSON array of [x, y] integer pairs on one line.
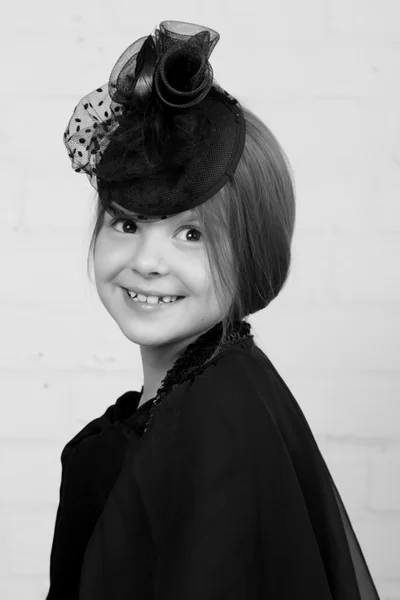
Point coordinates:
[[190, 362]]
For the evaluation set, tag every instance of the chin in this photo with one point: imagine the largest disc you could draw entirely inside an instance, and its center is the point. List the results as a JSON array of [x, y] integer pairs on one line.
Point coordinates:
[[148, 334]]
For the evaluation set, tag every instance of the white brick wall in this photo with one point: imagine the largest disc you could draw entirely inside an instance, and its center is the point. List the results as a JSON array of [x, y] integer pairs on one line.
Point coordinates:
[[324, 76]]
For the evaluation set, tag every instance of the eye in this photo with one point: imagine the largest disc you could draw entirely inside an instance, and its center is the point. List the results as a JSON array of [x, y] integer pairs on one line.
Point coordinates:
[[131, 223], [113, 222]]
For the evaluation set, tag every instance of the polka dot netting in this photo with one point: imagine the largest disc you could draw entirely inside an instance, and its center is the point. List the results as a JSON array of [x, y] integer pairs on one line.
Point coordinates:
[[161, 136]]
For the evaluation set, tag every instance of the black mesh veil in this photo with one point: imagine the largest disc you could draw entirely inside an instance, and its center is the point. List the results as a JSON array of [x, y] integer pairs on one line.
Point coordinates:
[[161, 136]]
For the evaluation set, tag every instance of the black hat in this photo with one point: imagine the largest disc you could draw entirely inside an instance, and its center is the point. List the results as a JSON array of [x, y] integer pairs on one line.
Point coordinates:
[[161, 137]]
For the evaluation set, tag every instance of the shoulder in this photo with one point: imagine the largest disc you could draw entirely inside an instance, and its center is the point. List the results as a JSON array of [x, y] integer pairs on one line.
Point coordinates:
[[228, 419], [101, 429], [224, 393], [241, 392], [234, 382]]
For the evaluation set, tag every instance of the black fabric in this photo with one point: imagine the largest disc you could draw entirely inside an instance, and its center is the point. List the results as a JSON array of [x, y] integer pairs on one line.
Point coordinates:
[[225, 496], [161, 136], [91, 462]]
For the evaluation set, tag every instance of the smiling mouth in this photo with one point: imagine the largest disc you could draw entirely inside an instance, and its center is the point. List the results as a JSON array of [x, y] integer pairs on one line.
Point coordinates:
[[160, 301]]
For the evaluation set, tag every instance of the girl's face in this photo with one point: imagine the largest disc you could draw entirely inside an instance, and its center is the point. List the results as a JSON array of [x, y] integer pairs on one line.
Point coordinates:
[[166, 256]]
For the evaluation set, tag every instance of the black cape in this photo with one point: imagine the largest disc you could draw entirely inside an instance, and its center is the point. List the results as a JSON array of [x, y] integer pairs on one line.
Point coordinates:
[[224, 496]]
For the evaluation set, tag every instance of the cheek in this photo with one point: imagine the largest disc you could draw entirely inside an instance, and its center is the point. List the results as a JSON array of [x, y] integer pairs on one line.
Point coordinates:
[[198, 277], [106, 257], [99, 262]]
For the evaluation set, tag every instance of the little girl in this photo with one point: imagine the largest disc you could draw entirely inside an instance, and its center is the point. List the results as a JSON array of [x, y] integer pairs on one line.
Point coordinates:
[[208, 483]]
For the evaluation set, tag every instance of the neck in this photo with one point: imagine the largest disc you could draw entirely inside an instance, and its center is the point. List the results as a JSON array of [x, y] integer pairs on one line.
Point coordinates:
[[167, 366], [158, 360]]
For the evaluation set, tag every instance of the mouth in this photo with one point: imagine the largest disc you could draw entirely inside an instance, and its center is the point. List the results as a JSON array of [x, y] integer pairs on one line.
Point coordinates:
[[160, 301]]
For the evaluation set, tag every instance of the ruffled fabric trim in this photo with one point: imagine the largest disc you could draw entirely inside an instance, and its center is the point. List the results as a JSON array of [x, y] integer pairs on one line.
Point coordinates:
[[191, 363]]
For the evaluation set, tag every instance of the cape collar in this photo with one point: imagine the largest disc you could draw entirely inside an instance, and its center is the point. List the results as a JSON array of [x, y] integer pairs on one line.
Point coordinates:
[[190, 363], [191, 360]]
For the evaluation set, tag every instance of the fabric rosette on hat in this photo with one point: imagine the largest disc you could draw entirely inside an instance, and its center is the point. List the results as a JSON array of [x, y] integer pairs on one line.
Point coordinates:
[[161, 136]]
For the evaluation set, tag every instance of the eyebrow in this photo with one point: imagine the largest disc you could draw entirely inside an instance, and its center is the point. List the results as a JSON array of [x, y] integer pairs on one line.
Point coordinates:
[[188, 214], [117, 211]]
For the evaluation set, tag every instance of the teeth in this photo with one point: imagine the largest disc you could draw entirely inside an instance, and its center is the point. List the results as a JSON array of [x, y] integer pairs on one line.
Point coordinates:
[[148, 299], [151, 299]]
